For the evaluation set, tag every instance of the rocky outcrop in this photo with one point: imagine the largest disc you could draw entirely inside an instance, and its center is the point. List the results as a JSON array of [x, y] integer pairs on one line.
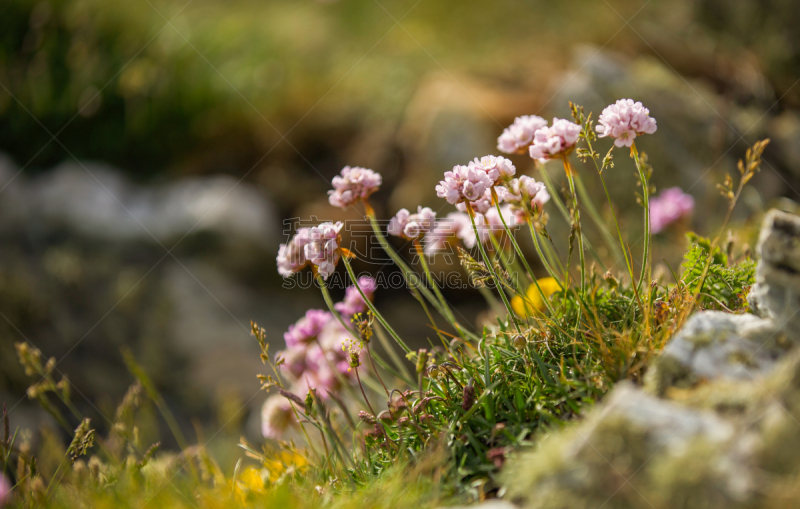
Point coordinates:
[[716, 424]]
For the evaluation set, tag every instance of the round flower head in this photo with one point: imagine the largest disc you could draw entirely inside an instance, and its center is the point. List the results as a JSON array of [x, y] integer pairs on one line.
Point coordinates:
[[276, 416], [307, 328], [519, 191], [496, 168], [353, 302], [463, 184], [322, 248], [332, 340], [554, 141], [412, 226], [625, 120], [518, 136], [291, 257], [353, 185], [671, 205], [480, 205], [448, 228]]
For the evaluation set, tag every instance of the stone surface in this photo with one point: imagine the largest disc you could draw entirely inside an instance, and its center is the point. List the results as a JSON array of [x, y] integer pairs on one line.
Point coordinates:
[[725, 415]]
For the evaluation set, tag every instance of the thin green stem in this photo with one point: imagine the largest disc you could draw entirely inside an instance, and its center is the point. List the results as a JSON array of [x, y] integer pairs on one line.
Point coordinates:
[[490, 268], [646, 200], [538, 247], [577, 213], [432, 283], [442, 308], [372, 307], [511, 236]]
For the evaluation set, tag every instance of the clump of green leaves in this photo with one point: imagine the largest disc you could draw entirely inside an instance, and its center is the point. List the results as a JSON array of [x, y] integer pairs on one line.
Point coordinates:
[[726, 284]]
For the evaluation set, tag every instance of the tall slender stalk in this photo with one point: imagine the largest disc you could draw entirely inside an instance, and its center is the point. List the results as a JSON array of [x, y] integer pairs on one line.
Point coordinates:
[[441, 307], [372, 307], [577, 213], [511, 236], [646, 203], [490, 268]]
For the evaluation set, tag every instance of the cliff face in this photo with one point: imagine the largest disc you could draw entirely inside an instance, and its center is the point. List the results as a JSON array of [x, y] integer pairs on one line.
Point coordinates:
[[716, 425]]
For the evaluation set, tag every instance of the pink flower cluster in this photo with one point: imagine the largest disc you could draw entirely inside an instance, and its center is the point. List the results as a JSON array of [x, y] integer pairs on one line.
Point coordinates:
[[412, 226], [473, 183], [314, 357], [322, 247], [353, 185], [671, 205], [555, 140], [291, 256], [497, 168], [306, 329], [625, 120], [353, 302], [519, 192], [517, 137], [464, 183], [458, 226]]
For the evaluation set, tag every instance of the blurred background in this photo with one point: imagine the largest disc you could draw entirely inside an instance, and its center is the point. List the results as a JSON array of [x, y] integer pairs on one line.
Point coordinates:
[[152, 152]]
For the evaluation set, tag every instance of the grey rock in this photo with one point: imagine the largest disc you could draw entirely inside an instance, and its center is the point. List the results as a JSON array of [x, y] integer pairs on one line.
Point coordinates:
[[776, 294], [715, 344], [99, 201], [667, 424]]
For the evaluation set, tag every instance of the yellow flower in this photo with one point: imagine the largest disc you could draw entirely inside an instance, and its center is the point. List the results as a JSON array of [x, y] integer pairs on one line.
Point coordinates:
[[535, 299]]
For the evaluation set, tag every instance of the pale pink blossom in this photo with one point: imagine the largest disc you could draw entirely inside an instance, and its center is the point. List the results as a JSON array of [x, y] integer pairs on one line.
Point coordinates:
[[523, 190], [291, 256], [353, 185], [496, 168], [307, 328], [625, 120], [463, 184], [412, 226], [276, 416], [671, 205], [331, 341], [454, 225], [322, 248], [555, 140], [295, 360], [518, 136], [353, 302], [481, 205]]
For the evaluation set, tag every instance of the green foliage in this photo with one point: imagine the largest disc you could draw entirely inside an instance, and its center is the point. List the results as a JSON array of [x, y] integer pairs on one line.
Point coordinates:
[[726, 284]]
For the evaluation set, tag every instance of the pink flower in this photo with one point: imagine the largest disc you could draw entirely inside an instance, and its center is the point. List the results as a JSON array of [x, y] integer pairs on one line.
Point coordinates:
[[481, 205], [463, 184], [496, 168], [624, 120], [5, 490], [518, 136], [291, 257], [306, 329], [331, 341], [276, 416], [353, 302], [455, 225], [517, 192], [554, 141], [412, 226], [671, 205], [322, 247], [354, 184]]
